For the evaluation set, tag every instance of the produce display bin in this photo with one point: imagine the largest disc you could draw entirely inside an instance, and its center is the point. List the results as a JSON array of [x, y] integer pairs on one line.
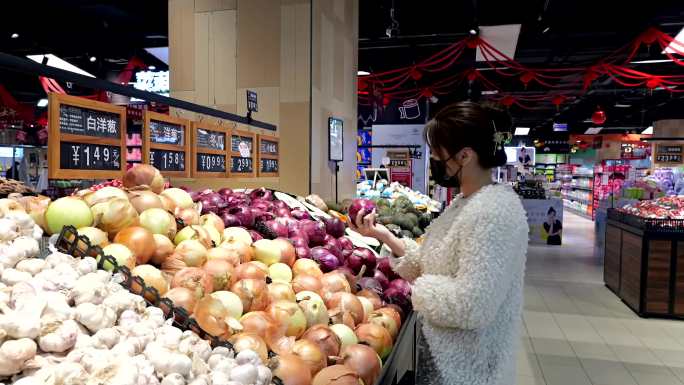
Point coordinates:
[[644, 263]]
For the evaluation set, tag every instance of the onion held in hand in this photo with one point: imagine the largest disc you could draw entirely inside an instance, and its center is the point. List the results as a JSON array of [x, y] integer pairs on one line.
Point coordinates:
[[194, 279], [144, 175], [182, 297], [67, 211], [139, 240], [358, 205]]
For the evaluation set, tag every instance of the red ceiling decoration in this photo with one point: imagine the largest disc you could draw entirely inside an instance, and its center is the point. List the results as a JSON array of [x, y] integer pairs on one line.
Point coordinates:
[[391, 84]]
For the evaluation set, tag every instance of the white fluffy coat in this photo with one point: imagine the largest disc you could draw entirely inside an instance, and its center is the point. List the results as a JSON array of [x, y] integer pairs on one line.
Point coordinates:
[[467, 283]]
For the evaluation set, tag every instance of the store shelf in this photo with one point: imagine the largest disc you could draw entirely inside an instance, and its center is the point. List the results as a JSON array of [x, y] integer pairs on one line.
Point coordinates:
[[582, 188], [577, 212]]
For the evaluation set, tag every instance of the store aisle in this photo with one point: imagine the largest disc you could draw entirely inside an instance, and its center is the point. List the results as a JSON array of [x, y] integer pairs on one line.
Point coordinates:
[[577, 332]]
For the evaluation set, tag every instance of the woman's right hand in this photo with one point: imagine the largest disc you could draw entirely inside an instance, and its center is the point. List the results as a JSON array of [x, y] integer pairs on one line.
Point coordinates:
[[366, 225]]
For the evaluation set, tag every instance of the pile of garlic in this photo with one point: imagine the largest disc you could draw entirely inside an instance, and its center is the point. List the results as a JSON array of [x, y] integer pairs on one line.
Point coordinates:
[[62, 321]]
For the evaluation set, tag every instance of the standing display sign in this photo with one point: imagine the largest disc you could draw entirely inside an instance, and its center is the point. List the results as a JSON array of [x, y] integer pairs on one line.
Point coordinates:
[[400, 167], [87, 139], [269, 150], [335, 139], [545, 219], [666, 153], [209, 150], [166, 145], [242, 154]]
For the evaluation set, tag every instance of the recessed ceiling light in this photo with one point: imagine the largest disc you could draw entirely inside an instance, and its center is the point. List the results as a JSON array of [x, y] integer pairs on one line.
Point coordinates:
[[93, 59], [363, 73], [151, 68], [473, 31], [546, 29], [42, 103], [593, 130], [647, 131], [490, 92], [15, 35], [620, 105], [522, 131]]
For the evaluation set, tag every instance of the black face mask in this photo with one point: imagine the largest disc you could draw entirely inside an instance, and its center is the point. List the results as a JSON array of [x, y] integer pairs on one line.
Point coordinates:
[[438, 170]]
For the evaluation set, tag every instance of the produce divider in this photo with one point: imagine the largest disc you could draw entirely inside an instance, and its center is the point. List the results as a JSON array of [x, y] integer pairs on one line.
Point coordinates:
[[69, 242]]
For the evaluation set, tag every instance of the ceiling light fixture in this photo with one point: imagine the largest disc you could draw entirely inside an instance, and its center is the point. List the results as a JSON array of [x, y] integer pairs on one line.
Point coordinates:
[[546, 29], [593, 130], [651, 61], [434, 99], [647, 131], [151, 68], [362, 73], [522, 131], [473, 31], [620, 105], [54, 61], [678, 41], [14, 35], [93, 59], [490, 92], [42, 103]]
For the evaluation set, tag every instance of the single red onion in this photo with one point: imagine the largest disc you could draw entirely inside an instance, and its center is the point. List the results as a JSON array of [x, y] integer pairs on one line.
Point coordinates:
[[280, 205], [385, 268], [212, 203], [261, 193], [345, 255], [255, 235], [229, 220], [346, 243], [303, 252], [262, 216], [315, 231], [277, 227], [282, 212], [397, 297], [370, 283], [334, 226], [357, 205], [401, 285], [235, 200], [261, 204], [244, 214], [332, 244], [195, 195], [326, 260], [298, 241], [300, 214], [381, 278], [225, 192], [362, 257]]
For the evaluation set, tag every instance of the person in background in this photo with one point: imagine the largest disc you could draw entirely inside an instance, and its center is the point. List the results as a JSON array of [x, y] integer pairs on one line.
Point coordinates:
[[467, 275], [13, 172], [524, 158], [553, 227]]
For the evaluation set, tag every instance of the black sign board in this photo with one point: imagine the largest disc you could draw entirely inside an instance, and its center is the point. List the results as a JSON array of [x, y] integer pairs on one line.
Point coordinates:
[[400, 163], [77, 156], [268, 147], [239, 143], [668, 158], [268, 165], [167, 133], [241, 165], [669, 149], [252, 102], [165, 160], [89, 122], [211, 163], [214, 140]]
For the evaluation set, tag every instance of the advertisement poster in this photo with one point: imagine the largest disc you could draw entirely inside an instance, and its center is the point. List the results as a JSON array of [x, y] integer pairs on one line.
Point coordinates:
[[545, 218]]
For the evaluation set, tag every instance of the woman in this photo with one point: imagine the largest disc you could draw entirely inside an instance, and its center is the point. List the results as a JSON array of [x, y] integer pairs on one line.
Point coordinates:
[[553, 228], [467, 276]]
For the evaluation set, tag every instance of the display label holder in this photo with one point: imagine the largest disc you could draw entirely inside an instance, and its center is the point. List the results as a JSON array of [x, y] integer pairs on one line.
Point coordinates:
[[174, 155], [242, 150], [92, 131], [268, 156], [206, 142]]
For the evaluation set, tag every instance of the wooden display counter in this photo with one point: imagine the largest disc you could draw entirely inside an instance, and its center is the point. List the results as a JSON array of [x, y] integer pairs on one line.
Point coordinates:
[[644, 264]]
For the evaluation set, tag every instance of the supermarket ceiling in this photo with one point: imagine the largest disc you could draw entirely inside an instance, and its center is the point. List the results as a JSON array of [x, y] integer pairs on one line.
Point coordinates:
[[553, 33]]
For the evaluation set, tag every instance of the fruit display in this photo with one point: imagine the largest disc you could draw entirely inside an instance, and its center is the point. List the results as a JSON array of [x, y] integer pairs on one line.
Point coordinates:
[[251, 270], [402, 217], [669, 207], [395, 190]]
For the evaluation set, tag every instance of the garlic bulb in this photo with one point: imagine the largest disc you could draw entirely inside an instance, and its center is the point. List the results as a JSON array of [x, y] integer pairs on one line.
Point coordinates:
[[32, 266], [57, 336], [14, 354], [95, 317]]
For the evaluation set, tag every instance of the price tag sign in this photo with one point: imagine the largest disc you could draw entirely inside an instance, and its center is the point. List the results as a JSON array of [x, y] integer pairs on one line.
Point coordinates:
[[87, 139], [165, 144], [242, 154], [269, 156], [209, 149], [666, 153]]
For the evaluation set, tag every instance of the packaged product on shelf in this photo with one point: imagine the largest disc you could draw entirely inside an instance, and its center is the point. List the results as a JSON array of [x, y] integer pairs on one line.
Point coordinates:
[[669, 207]]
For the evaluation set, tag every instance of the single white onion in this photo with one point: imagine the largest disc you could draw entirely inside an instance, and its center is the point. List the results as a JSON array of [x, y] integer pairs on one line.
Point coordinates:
[[104, 194], [345, 334], [192, 252], [158, 221], [231, 302], [95, 236], [67, 211], [267, 251], [152, 276], [280, 272], [114, 215], [181, 198], [123, 255]]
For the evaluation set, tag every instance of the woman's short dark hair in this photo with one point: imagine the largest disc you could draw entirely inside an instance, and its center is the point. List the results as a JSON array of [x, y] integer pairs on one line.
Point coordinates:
[[551, 210], [469, 124]]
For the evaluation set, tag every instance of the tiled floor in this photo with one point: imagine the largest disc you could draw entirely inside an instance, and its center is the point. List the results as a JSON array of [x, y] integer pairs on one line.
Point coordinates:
[[577, 332]]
